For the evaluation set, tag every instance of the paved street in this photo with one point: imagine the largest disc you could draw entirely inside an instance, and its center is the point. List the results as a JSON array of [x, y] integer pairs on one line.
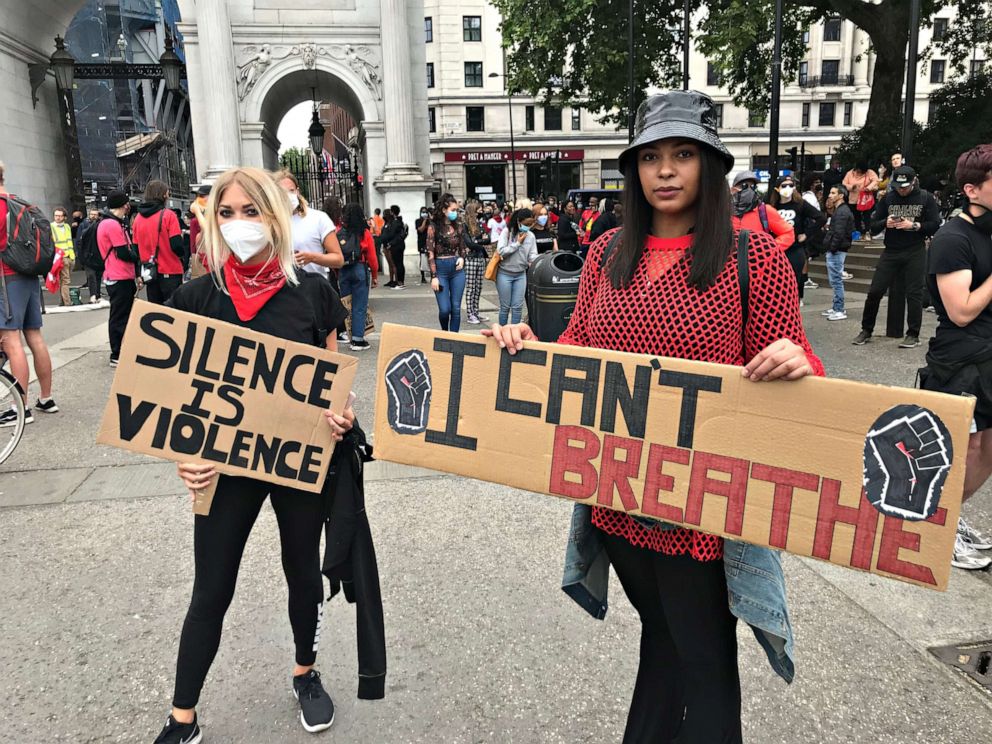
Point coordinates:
[[96, 546]]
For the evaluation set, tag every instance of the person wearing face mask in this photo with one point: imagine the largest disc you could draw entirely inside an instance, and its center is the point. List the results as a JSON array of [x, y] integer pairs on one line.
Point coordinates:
[[315, 241], [517, 249], [255, 283], [446, 251], [421, 225], [543, 234], [476, 258], [495, 225], [959, 357], [806, 221], [751, 213], [119, 253]]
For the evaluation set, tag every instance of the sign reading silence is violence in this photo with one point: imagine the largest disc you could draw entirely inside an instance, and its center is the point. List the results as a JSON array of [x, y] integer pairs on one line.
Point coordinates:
[[864, 476], [194, 389]]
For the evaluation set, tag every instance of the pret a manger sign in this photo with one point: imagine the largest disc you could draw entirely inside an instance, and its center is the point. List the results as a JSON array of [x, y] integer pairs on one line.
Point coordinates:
[[864, 476], [194, 389]]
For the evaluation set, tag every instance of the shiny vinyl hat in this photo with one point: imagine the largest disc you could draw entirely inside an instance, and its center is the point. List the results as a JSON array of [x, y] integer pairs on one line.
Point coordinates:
[[688, 114]]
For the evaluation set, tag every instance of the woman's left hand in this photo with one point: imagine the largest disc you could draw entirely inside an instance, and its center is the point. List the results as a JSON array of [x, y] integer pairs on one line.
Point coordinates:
[[782, 360], [459, 264], [340, 425]]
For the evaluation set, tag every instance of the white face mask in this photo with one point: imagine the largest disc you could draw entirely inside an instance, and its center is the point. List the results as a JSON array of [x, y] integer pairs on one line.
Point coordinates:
[[294, 201], [786, 192], [244, 238]]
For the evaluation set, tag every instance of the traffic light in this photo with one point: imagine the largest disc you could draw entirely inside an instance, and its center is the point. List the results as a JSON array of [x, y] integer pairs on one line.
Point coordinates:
[[545, 174], [793, 163]]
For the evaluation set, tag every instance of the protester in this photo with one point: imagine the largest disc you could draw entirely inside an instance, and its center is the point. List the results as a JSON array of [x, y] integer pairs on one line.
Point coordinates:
[[249, 239], [813, 190], [909, 216], [94, 270], [806, 222], [568, 226], [836, 244], [158, 235], [606, 221], [588, 219], [77, 221], [360, 263], [832, 176], [394, 244], [495, 225], [670, 287], [63, 234], [517, 249], [421, 225], [314, 241], [377, 224], [119, 254], [544, 236], [959, 358], [861, 183], [751, 213], [20, 312], [476, 241], [446, 252], [198, 258]]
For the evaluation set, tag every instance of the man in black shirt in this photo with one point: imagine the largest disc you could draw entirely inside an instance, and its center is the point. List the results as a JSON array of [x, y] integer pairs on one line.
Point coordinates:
[[832, 176], [959, 359]]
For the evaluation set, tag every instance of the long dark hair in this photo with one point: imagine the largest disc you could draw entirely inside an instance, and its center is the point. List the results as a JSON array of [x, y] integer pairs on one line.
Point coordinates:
[[332, 208], [353, 219], [440, 217], [714, 232]]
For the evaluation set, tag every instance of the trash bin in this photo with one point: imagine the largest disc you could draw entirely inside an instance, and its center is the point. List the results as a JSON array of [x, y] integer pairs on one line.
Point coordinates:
[[552, 290]]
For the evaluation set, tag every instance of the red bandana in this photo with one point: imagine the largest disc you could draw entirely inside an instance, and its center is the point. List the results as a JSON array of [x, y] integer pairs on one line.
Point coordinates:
[[252, 286]]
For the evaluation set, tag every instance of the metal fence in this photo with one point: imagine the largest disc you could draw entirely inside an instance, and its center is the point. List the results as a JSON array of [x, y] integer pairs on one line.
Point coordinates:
[[323, 177]]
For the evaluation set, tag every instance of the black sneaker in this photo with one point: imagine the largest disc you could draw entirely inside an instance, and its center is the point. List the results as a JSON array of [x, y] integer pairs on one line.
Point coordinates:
[[360, 345], [47, 407], [180, 733], [863, 338], [9, 417], [316, 706], [910, 342]]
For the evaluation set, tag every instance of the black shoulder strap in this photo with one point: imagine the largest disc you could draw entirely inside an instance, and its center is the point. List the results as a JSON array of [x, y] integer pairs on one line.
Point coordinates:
[[614, 239], [743, 275]]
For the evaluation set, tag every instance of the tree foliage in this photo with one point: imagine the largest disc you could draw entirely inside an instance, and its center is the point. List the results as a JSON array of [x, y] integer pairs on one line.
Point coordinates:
[[961, 119]]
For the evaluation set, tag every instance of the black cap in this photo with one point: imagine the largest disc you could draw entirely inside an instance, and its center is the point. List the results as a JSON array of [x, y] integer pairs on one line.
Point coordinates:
[[679, 113], [204, 190], [903, 176], [116, 199]]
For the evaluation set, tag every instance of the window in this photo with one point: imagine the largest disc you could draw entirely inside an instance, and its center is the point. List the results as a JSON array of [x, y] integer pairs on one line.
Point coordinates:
[[719, 115], [552, 119], [528, 118], [428, 29], [472, 28], [431, 120], [977, 65], [805, 114], [830, 71], [576, 119], [803, 73], [806, 36], [939, 28], [848, 113], [828, 109], [831, 29], [712, 74], [430, 74], [755, 119], [937, 67], [475, 118], [931, 110], [473, 74]]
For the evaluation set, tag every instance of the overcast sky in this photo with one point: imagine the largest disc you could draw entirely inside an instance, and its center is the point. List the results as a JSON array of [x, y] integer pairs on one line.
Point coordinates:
[[293, 128]]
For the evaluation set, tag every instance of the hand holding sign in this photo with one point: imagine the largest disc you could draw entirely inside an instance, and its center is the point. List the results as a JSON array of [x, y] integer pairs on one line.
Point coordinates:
[[783, 359], [511, 337]]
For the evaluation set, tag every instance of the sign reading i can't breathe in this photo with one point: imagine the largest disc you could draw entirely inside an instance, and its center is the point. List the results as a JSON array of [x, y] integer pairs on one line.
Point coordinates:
[[194, 389], [863, 476]]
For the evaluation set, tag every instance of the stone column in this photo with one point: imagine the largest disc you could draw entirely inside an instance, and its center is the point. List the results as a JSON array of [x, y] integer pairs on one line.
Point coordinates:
[[401, 153], [219, 94]]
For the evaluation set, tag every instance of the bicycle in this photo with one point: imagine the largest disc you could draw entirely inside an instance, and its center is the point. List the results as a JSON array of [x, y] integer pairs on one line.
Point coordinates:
[[11, 398]]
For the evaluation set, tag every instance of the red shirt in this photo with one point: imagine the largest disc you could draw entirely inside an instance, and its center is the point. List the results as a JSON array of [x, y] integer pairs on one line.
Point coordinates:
[[781, 230], [658, 313], [4, 269], [147, 235], [368, 252]]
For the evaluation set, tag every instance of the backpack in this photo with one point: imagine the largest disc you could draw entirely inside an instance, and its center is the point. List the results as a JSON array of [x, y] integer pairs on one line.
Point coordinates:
[[89, 248], [351, 246], [30, 245]]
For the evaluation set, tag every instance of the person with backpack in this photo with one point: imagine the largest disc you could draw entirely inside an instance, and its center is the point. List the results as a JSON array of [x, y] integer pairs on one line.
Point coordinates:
[[120, 258], [678, 280], [751, 213], [159, 238], [89, 254], [26, 252], [358, 248]]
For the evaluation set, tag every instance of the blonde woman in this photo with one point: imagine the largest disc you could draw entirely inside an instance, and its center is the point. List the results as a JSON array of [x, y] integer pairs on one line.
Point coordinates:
[[314, 240], [253, 283]]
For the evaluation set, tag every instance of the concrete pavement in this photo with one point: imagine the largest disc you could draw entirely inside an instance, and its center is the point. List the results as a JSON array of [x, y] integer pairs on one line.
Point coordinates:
[[483, 647]]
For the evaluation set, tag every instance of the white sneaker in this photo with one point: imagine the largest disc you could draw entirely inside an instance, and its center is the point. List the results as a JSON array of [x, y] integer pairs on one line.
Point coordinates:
[[826, 312], [967, 557], [801, 303], [847, 275], [810, 284], [972, 536], [837, 315]]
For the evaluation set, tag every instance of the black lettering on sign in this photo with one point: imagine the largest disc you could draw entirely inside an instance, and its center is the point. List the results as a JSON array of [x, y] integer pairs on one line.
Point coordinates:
[[195, 408], [283, 468], [310, 465], [587, 386], [234, 358], [187, 434], [202, 370], [210, 451], [162, 428], [147, 325], [633, 403], [287, 384], [691, 384], [242, 441], [132, 419], [458, 350], [265, 372], [265, 452], [232, 396], [323, 378], [187, 356], [506, 361]]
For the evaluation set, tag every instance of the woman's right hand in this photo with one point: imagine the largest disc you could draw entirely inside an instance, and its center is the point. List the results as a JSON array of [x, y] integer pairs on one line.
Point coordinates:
[[511, 337], [435, 285], [521, 237], [194, 475]]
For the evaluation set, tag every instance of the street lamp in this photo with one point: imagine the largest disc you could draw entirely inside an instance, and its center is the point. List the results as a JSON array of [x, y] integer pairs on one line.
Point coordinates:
[[513, 149], [316, 130], [172, 66], [63, 64]]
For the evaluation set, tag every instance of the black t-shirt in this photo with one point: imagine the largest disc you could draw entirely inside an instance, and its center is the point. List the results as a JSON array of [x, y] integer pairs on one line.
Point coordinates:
[[421, 236], [545, 239], [958, 246]]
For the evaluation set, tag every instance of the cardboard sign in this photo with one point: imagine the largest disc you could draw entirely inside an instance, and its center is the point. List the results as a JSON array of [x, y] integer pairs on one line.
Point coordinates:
[[195, 389], [864, 476]]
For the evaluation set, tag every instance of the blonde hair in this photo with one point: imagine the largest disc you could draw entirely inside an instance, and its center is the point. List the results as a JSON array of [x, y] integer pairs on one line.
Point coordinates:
[[270, 201], [285, 173]]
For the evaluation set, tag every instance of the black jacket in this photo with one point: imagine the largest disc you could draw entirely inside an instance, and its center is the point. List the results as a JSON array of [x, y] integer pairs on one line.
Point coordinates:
[[476, 248], [919, 206], [838, 237], [349, 559], [603, 224], [393, 233], [806, 220]]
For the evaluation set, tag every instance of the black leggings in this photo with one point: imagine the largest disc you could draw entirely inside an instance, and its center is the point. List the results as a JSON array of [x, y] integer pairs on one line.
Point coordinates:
[[121, 295], [397, 250], [218, 542], [688, 657], [160, 290], [797, 257]]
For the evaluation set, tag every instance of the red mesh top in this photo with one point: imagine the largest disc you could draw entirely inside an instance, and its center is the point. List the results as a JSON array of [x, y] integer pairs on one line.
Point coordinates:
[[658, 313]]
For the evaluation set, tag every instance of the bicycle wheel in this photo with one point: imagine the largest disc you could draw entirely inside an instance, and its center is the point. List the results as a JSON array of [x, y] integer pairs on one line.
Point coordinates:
[[10, 399]]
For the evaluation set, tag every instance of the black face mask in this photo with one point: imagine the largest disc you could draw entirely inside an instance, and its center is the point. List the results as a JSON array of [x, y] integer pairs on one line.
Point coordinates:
[[983, 222], [745, 200]]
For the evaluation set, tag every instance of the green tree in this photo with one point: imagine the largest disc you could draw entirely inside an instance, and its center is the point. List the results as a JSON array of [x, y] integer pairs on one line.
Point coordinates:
[[297, 161]]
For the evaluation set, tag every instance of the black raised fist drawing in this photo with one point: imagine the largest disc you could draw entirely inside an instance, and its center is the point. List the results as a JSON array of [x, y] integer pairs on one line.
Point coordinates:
[[408, 382], [906, 458]]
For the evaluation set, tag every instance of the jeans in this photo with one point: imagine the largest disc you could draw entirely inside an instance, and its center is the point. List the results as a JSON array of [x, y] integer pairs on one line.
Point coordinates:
[[511, 289], [911, 264], [121, 295], [449, 296], [835, 273], [93, 279], [353, 280]]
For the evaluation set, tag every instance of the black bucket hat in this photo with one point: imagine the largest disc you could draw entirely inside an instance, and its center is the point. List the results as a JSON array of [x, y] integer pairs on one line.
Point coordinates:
[[678, 113]]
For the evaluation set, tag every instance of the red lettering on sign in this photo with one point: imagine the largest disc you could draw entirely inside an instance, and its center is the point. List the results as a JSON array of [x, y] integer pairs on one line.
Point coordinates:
[[569, 459], [864, 517], [656, 481], [734, 490], [786, 481], [895, 537], [614, 472]]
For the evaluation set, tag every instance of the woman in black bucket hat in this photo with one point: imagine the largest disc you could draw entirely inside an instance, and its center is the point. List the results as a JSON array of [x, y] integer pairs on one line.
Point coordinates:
[[669, 284]]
